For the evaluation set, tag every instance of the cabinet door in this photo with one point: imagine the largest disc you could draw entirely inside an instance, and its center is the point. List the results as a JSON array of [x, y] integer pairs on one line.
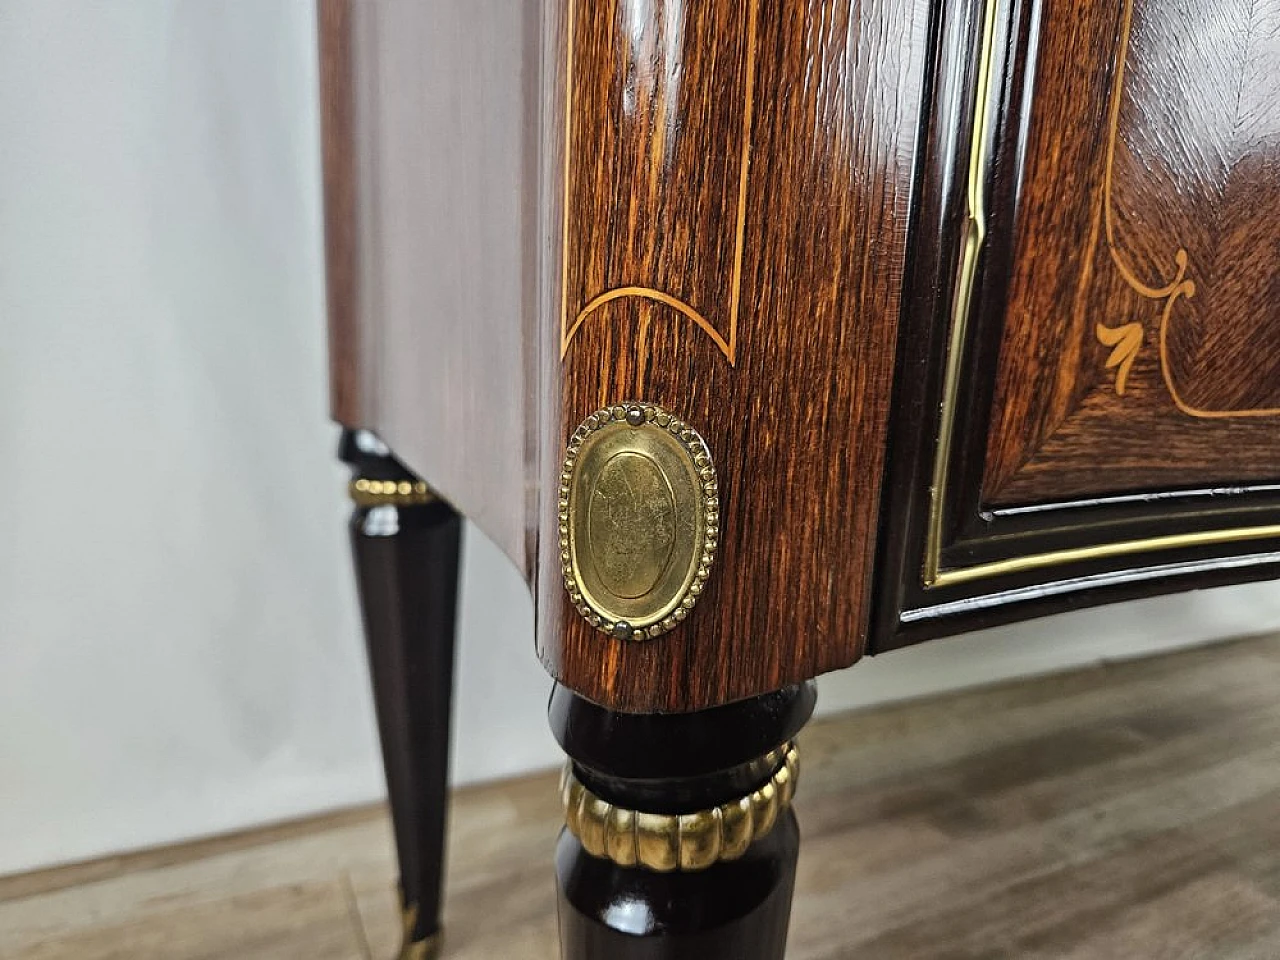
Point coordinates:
[[1097, 304]]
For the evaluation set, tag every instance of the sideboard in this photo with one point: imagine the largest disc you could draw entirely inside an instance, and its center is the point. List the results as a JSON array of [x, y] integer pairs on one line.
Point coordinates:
[[766, 336]]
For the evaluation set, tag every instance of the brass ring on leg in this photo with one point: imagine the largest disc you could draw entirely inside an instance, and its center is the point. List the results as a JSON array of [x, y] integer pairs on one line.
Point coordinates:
[[665, 842], [395, 493]]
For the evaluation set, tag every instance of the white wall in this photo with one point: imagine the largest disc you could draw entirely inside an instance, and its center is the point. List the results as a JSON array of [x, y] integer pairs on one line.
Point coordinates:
[[179, 651]]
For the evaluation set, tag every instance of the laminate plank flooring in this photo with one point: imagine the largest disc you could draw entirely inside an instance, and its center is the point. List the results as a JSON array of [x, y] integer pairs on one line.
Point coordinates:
[[1126, 811]]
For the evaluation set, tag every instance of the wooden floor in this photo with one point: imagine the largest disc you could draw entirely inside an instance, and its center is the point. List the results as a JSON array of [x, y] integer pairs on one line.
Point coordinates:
[[1129, 811]]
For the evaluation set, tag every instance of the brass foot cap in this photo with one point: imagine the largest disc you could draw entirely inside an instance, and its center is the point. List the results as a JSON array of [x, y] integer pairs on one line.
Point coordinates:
[[427, 949]]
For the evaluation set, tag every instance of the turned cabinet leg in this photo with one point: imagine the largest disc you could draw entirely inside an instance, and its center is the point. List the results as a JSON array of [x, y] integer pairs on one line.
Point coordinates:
[[406, 548], [680, 842]]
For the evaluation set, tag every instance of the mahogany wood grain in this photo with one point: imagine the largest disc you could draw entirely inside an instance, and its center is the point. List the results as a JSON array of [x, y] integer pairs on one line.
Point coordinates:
[[1141, 345], [753, 214], [429, 131], [703, 135], [338, 157]]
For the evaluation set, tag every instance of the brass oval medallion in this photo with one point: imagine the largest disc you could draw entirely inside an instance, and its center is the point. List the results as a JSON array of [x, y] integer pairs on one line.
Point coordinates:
[[639, 520], [631, 525]]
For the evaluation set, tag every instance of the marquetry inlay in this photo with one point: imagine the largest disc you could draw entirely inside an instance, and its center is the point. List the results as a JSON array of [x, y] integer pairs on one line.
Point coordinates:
[[725, 339], [1127, 339]]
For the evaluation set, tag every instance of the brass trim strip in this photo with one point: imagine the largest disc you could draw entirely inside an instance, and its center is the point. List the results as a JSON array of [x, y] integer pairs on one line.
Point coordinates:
[[975, 237], [393, 493], [688, 842], [427, 949], [1034, 561], [932, 573]]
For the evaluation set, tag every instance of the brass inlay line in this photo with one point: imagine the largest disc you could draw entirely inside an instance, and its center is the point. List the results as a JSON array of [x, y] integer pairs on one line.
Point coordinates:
[[728, 347], [932, 573], [1052, 558], [975, 236], [743, 170], [566, 335], [1127, 338], [666, 842]]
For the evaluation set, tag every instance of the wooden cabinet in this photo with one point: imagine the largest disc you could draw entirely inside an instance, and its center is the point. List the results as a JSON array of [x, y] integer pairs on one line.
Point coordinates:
[[976, 303], [948, 313]]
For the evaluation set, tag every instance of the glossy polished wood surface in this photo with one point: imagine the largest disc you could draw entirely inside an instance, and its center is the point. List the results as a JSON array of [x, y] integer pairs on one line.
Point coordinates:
[[1141, 348], [738, 177], [406, 559], [337, 123], [786, 227], [429, 128], [1047, 448]]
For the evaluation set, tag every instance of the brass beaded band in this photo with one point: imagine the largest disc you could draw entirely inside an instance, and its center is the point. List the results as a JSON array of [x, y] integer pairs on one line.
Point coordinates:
[[396, 493], [665, 842]]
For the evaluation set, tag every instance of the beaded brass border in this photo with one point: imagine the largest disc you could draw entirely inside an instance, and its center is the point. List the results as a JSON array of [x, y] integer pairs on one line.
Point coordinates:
[[664, 842], [396, 493], [636, 415]]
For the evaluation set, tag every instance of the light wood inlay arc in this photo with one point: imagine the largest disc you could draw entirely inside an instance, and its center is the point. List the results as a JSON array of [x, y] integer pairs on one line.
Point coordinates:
[[647, 293], [728, 344]]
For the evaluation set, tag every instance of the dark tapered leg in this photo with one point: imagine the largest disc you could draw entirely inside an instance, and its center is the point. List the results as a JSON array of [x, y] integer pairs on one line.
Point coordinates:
[[680, 842], [406, 545]]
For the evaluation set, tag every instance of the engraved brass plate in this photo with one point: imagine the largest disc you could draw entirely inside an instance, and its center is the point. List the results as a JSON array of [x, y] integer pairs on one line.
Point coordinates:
[[639, 520]]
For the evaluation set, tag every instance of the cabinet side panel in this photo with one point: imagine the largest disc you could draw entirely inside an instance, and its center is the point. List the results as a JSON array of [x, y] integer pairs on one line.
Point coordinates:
[[430, 198], [334, 24]]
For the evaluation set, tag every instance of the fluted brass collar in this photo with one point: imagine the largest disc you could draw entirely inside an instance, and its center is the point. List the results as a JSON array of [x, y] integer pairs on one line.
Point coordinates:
[[396, 493], [689, 841]]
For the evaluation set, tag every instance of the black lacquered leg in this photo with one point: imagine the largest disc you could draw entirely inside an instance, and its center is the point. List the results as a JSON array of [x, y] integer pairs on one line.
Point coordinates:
[[406, 547], [680, 842]]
